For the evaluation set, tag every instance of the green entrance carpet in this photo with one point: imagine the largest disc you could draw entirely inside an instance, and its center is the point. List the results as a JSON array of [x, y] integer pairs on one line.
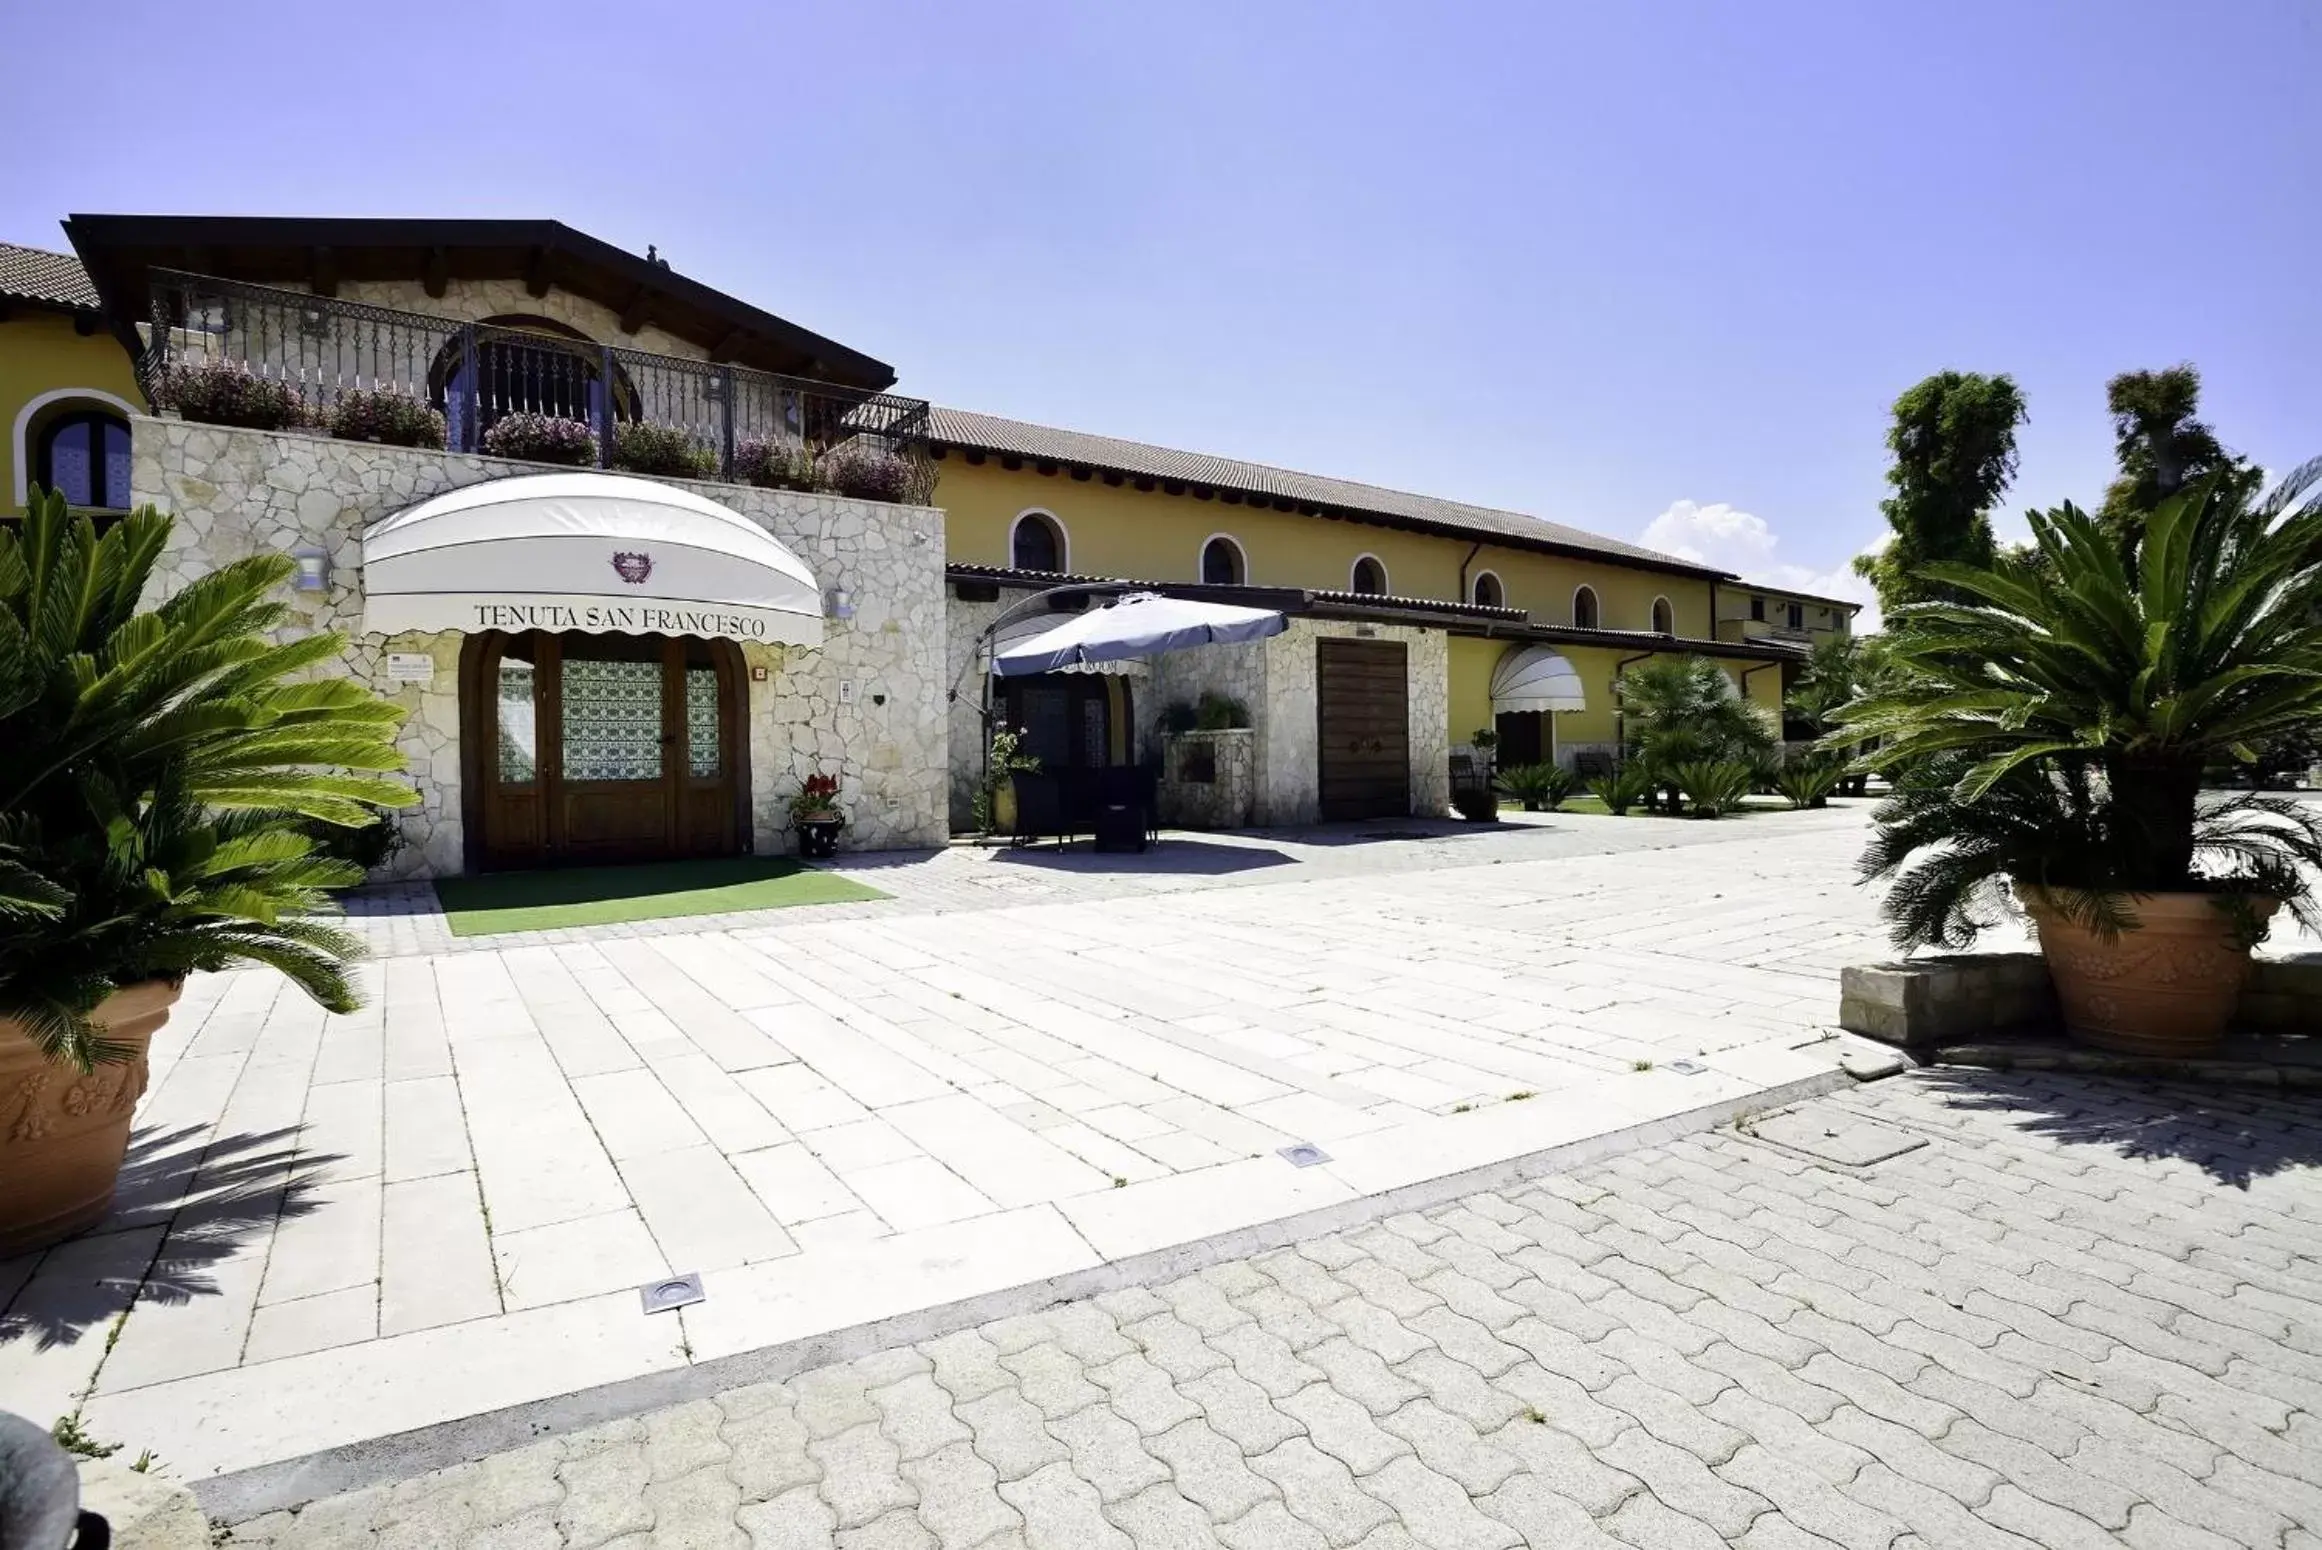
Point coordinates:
[[604, 895]]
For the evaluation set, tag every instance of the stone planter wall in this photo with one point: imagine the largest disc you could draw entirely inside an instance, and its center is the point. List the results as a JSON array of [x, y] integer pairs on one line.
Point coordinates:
[[240, 492], [1924, 1003], [1209, 780]]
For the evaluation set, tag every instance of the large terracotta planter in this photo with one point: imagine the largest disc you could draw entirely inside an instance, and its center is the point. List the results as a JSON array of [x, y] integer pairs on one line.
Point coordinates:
[[2166, 988], [63, 1134]]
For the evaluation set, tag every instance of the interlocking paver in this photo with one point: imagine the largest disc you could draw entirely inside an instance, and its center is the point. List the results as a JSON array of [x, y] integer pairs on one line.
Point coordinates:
[[1435, 1510], [1342, 1428], [1320, 1490], [862, 1477], [1061, 1512], [1626, 1355], [1108, 1453], [959, 1497]]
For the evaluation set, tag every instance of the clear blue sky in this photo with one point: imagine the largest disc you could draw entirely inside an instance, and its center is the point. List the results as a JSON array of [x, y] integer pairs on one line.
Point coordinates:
[[1586, 261]]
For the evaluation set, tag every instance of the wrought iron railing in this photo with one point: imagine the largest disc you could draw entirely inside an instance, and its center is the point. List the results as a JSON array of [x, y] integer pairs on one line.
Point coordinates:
[[322, 349]]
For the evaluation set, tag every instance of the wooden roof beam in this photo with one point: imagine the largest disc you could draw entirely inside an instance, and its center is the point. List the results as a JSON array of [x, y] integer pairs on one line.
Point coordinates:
[[436, 275], [639, 312]]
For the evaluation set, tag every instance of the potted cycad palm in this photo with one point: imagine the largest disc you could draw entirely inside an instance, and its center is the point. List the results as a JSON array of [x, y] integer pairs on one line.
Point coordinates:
[[2048, 734], [159, 774]]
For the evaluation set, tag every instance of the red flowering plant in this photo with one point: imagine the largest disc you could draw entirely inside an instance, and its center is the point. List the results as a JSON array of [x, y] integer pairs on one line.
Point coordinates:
[[817, 800]]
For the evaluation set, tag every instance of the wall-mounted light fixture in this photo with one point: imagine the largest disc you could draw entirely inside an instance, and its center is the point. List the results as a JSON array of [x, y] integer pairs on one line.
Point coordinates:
[[838, 604], [314, 569]]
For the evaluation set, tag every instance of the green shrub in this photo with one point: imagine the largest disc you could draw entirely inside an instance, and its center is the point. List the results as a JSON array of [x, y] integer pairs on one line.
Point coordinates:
[[1621, 790], [777, 465], [1715, 787], [1808, 782], [1537, 786], [1179, 716], [867, 471], [661, 452], [393, 419], [1220, 713]]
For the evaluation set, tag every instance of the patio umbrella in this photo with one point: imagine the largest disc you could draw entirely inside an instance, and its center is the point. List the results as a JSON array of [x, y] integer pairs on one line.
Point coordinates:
[[1139, 625]]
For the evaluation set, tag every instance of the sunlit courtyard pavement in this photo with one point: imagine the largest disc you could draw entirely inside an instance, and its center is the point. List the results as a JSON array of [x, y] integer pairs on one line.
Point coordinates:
[[1023, 1076]]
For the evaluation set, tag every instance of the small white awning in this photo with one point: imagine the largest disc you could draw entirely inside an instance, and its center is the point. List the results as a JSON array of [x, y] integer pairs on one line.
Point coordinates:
[[598, 552], [1017, 631], [1535, 678]]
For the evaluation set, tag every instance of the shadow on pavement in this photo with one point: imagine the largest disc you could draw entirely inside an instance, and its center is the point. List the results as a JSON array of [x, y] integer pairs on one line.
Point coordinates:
[[1173, 856], [2234, 1135], [216, 1198]]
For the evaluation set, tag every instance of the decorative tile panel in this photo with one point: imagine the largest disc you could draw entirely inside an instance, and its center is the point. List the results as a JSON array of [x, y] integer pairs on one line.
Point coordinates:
[[519, 724], [612, 720], [704, 759]]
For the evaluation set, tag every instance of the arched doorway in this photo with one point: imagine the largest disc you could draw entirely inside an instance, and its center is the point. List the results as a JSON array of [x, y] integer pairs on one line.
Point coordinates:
[[580, 748]]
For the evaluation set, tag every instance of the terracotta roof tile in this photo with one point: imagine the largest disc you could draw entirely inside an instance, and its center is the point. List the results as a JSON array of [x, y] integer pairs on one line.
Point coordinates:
[[990, 433], [34, 274]]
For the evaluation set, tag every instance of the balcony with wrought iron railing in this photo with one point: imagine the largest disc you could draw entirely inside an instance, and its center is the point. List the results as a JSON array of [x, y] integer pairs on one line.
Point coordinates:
[[254, 356]]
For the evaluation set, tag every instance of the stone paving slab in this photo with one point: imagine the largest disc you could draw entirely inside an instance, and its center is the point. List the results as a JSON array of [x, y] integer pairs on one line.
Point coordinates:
[[2082, 1314], [839, 1120]]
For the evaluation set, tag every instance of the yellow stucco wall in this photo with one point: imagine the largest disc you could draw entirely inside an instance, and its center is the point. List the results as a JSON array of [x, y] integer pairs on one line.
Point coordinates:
[[1118, 530], [1152, 535], [1472, 661], [40, 353]]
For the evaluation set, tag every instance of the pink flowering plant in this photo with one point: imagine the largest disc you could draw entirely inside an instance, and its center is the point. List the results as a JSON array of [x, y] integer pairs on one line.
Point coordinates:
[[542, 438], [229, 393], [382, 415]]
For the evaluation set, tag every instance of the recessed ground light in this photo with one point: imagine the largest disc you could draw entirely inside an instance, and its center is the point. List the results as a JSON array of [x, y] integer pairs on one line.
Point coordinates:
[[1685, 1067], [1304, 1154], [676, 1292]]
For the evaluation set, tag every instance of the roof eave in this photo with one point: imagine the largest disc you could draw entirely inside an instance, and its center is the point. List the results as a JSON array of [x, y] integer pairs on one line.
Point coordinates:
[[1371, 518], [98, 238]]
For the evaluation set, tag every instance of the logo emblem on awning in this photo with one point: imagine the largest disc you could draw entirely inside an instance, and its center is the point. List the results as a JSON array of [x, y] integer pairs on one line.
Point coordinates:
[[633, 568]]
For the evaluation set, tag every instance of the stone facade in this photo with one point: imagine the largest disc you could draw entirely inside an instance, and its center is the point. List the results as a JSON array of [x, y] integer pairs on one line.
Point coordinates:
[[1209, 780], [963, 628], [475, 300], [239, 492], [1275, 678]]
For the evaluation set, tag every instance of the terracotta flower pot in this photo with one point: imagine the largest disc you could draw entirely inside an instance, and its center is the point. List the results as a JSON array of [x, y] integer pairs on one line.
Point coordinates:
[[2167, 988], [63, 1134]]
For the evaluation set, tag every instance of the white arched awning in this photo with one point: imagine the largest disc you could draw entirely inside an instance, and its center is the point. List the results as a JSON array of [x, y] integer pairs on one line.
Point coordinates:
[[1017, 631], [585, 551], [1535, 678]]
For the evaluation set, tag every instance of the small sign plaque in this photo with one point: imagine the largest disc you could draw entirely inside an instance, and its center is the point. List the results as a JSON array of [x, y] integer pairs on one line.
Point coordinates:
[[410, 667]]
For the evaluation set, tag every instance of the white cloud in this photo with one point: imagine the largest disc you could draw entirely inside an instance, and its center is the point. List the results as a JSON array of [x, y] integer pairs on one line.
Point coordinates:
[[1740, 542]]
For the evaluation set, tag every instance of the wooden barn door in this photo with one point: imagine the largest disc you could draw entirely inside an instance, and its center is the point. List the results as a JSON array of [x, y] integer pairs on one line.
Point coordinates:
[[1362, 705]]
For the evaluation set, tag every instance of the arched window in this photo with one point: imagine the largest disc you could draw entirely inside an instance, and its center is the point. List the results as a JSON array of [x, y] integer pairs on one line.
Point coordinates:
[[1222, 564], [85, 454], [1584, 608], [1369, 577], [1037, 543], [530, 365], [1664, 617], [1488, 592]]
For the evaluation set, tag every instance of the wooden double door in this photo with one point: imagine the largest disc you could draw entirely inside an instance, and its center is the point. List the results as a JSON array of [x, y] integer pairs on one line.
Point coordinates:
[[580, 748], [1363, 713]]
